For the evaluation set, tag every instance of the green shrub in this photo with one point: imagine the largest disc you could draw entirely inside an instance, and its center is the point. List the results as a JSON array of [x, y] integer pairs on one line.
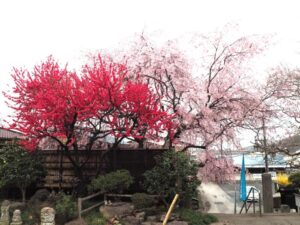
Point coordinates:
[[94, 218], [294, 179], [29, 218], [196, 217], [174, 173], [142, 200], [65, 207], [116, 181]]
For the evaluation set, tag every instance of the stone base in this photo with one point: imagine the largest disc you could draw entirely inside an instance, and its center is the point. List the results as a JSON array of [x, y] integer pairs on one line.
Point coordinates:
[[4, 222], [285, 208]]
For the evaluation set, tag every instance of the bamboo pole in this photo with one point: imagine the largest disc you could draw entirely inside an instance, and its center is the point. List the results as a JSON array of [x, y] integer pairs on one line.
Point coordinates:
[[170, 209]]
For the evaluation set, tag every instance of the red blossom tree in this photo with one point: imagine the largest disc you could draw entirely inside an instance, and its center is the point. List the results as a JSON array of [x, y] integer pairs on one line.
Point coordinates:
[[133, 111], [77, 111]]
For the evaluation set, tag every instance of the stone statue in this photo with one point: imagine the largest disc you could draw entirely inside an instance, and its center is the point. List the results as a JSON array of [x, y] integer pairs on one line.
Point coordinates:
[[47, 216], [16, 219], [4, 219]]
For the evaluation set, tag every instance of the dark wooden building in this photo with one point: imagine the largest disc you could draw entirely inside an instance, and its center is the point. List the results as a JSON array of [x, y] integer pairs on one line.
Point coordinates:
[[8, 136], [61, 172]]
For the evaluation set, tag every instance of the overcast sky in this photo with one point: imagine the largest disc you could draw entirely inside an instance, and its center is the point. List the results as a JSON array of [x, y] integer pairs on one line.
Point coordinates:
[[32, 30]]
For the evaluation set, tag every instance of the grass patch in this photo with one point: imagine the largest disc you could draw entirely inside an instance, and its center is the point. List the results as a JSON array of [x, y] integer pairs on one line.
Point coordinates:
[[196, 217], [94, 218]]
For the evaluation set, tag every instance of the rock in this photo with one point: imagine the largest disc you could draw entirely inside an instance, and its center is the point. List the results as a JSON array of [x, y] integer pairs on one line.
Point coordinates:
[[150, 223], [207, 206], [151, 218], [171, 218], [140, 215], [175, 222], [146, 223], [284, 208], [17, 205], [118, 210], [77, 222], [47, 216], [39, 196], [16, 219], [131, 220]]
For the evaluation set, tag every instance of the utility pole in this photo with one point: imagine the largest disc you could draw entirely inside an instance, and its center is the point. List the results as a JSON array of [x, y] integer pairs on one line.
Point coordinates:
[[265, 145]]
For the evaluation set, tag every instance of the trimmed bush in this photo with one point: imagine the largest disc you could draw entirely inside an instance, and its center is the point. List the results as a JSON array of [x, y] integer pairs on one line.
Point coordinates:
[[116, 181], [142, 200]]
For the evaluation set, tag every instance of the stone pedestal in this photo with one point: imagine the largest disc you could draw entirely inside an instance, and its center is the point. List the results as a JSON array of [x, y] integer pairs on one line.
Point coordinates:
[[267, 193], [16, 219], [285, 208], [47, 216], [4, 219]]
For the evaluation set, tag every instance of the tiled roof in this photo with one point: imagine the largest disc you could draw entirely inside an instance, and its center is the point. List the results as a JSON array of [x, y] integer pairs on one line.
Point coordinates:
[[9, 134]]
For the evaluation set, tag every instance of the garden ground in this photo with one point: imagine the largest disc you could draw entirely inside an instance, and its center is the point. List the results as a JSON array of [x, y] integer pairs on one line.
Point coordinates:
[[265, 219]]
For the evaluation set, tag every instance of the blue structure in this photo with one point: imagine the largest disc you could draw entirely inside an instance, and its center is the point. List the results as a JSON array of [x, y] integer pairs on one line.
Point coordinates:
[[256, 162], [243, 184]]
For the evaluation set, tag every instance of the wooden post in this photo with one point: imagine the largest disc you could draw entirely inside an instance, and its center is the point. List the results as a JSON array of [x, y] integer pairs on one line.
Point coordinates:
[[60, 172], [259, 203], [234, 202], [79, 206], [170, 209], [253, 200]]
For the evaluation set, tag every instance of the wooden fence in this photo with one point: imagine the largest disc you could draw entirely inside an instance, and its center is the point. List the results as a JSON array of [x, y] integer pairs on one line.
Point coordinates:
[[61, 172]]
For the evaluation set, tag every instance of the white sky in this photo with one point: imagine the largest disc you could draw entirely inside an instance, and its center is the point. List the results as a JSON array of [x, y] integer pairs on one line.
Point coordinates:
[[31, 30]]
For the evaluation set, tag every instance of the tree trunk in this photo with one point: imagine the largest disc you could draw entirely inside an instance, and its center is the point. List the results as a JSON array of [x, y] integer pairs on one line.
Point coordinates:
[[23, 191], [80, 183]]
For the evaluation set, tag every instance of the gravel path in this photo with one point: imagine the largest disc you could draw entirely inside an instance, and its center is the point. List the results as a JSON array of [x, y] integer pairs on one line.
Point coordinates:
[[266, 219]]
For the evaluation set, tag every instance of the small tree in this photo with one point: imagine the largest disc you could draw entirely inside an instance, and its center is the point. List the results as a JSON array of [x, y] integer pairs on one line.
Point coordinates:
[[174, 173], [19, 168], [294, 178]]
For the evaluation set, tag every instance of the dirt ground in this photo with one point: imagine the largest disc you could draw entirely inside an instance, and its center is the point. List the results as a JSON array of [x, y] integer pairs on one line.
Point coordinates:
[[265, 219]]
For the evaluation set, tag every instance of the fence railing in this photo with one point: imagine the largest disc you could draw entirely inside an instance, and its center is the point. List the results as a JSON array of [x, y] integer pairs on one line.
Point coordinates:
[[251, 201], [81, 200]]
